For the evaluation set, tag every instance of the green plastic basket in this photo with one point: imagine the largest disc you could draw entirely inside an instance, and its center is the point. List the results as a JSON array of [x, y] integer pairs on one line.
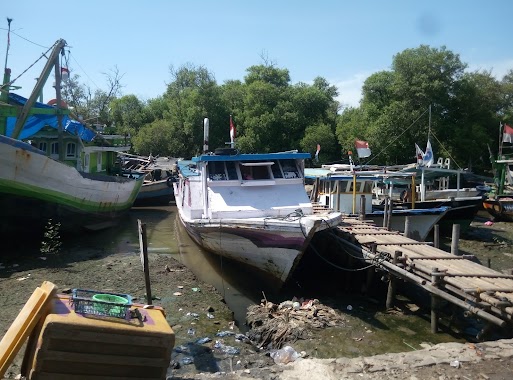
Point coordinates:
[[102, 304]]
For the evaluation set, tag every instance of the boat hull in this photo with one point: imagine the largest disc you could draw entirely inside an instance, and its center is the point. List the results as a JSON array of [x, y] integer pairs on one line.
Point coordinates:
[[155, 193], [272, 247], [35, 188], [420, 224], [501, 208]]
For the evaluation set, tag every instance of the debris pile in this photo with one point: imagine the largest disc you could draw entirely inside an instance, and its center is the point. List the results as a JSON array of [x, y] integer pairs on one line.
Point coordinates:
[[272, 325]]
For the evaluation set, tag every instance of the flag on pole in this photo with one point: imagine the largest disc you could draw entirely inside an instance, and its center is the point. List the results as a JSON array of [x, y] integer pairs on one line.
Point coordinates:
[[429, 158], [233, 131], [362, 148], [507, 135], [317, 152], [419, 154]]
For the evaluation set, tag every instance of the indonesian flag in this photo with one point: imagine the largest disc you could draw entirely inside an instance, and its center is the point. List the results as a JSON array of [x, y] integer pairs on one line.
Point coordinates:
[[507, 136], [362, 148], [233, 131]]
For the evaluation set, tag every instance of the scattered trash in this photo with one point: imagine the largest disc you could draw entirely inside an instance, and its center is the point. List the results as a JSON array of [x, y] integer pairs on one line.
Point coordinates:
[[222, 334], [231, 325], [187, 360], [210, 316], [285, 355], [455, 364], [191, 331], [349, 307], [22, 278], [196, 289], [204, 340], [180, 286], [488, 223], [182, 349], [177, 294], [42, 257], [241, 338], [229, 350], [296, 305], [357, 339], [193, 315]]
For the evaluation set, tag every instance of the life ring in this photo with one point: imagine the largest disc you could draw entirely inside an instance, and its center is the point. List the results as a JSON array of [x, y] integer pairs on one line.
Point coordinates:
[[53, 102]]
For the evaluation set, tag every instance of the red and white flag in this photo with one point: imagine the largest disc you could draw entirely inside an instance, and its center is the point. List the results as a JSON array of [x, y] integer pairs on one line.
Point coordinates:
[[233, 131], [362, 148], [507, 135]]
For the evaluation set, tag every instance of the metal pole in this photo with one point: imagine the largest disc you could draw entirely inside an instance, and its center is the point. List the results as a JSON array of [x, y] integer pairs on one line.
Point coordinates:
[[60, 137], [9, 20], [389, 216]]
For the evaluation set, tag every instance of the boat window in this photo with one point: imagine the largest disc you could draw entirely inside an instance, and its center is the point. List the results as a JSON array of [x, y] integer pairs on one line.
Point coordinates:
[[367, 187], [231, 169], [216, 171], [55, 148], [71, 149], [276, 169], [290, 169], [42, 146], [343, 186], [255, 170]]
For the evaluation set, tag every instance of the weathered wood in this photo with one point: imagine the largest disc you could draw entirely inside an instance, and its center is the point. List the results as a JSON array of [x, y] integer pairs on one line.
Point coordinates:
[[455, 238]]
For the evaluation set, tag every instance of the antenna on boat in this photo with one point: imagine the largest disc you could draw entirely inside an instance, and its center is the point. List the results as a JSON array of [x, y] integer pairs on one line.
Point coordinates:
[[205, 135], [429, 127], [9, 20]]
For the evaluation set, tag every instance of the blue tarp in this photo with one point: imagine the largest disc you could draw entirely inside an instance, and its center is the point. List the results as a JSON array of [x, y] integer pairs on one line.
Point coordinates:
[[35, 123]]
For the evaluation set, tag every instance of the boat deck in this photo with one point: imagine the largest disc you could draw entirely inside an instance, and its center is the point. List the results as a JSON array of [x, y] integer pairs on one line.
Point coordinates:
[[474, 287]]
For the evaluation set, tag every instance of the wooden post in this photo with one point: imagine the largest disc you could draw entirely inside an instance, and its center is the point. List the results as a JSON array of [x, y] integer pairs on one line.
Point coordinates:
[[143, 244], [389, 216], [407, 226], [362, 208], [455, 238], [385, 212], [370, 271], [392, 284], [435, 281], [436, 236]]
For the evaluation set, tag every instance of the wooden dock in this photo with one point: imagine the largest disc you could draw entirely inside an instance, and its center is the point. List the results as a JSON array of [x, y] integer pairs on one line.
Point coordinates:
[[477, 289]]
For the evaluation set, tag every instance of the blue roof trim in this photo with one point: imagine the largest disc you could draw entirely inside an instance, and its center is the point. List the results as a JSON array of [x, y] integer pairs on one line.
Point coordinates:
[[252, 157], [35, 123], [20, 144]]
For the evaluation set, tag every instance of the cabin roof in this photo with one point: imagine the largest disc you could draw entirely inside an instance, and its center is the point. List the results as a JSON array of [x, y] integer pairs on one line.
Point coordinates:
[[252, 157]]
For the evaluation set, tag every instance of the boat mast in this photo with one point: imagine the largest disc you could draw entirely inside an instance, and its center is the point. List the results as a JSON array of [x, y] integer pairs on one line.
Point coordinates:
[[9, 20], [25, 111]]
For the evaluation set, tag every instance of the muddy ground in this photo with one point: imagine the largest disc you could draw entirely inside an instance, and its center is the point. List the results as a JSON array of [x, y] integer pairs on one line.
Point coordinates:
[[198, 314]]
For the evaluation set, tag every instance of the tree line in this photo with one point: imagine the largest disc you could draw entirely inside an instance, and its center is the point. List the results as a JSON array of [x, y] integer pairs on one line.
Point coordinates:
[[271, 114]]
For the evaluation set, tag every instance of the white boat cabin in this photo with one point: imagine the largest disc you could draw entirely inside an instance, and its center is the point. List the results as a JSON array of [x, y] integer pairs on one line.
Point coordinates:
[[244, 186]]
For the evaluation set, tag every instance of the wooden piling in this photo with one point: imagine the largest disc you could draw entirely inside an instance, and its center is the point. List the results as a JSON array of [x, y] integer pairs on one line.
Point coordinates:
[[407, 226], [455, 238], [143, 243], [436, 236], [435, 281], [389, 216], [385, 212], [392, 284], [362, 208]]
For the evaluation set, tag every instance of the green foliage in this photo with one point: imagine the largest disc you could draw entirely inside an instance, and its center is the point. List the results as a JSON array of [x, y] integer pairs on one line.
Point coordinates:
[[51, 242]]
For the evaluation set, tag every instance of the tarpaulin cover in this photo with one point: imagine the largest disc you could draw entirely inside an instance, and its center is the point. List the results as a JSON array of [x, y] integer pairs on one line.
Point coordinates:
[[35, 123]]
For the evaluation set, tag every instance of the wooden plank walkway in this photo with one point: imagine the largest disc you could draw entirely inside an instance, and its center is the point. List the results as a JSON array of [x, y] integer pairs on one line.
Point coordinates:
[[479, 289]]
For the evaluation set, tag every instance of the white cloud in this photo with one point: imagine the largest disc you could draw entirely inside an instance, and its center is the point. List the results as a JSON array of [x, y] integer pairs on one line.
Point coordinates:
[[498, 68], [350, 89]]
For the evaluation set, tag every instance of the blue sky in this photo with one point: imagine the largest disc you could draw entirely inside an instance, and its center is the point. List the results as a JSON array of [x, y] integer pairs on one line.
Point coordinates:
[[342, 41]]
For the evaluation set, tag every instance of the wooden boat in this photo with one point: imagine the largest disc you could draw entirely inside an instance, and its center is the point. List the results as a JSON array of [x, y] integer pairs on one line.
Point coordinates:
[[500, 204], [252, 208], [351, 192], [158, 177], [40, 182]]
